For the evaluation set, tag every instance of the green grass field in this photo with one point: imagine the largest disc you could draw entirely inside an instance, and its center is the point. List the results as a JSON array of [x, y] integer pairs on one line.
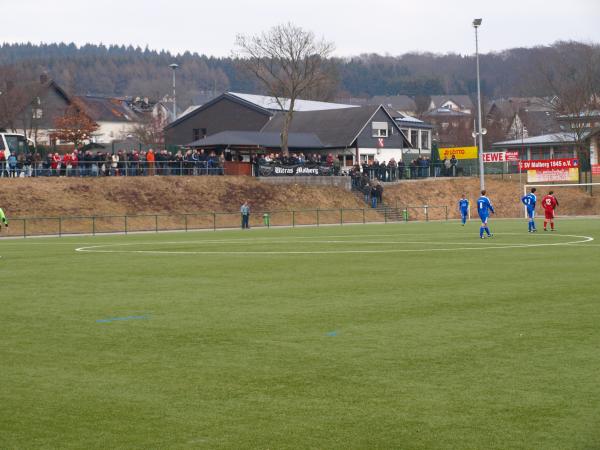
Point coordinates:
[[404, 336]]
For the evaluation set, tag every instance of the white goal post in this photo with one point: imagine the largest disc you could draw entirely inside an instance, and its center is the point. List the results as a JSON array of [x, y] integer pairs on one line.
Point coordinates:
[[529, 186]]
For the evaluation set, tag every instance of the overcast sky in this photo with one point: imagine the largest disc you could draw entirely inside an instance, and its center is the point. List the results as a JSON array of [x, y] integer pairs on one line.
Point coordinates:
[[355, 26]]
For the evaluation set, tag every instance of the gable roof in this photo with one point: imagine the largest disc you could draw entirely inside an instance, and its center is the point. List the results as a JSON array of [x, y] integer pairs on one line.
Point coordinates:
[[258, 139], [107, 109], [36, 89], [463, 101], [192, 111], [270, 103], [336, 128], [397, 102], [565, 138]]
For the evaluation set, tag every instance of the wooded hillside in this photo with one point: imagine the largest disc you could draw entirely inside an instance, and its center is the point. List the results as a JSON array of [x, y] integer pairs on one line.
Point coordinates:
[[127, 70]]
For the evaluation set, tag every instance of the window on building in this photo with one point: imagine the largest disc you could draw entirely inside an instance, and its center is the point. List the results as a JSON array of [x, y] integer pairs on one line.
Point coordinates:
[[203, 133], [405, 133], [37, 113], [414, 138], [380, 129], [195, 134], [425, 140]]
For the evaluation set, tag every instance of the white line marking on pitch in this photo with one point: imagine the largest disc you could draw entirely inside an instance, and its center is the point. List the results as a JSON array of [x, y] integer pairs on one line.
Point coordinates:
[[98, 248]]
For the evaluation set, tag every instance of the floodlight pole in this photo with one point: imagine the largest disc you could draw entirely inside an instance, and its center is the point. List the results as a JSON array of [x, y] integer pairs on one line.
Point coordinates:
[[476, 24], [174, 68]]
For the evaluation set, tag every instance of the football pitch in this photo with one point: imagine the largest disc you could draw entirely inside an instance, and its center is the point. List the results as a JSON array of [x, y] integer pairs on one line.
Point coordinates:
[[400, 336]]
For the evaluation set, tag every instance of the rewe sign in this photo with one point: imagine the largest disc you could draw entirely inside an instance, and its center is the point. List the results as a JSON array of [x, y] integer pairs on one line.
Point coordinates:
[[500, 157]]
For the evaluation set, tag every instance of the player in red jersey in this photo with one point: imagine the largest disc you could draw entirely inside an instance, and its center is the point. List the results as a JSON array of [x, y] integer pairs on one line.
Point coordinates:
[[549, 203]]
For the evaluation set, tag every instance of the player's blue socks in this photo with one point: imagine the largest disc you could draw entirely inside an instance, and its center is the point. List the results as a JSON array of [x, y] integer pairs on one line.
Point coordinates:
[[487, 230], [481, 231], [463, 219], [529, 226]]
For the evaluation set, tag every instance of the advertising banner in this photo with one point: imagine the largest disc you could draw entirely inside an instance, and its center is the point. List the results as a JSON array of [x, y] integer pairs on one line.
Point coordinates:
[[511, 156], [549, 170], [291, 170], [595, 169], [458, 152], [548, 164]]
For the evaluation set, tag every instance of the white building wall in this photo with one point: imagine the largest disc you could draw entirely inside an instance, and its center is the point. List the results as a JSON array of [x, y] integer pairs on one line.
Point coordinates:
[[109, 131], [382, 154]]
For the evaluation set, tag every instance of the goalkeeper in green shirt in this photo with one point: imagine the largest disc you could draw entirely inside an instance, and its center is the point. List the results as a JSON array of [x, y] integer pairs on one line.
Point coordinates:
[[3, 220]]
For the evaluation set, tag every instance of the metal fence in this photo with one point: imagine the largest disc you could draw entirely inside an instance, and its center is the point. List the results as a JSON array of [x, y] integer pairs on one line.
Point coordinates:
[[94, 225], [122, 168]]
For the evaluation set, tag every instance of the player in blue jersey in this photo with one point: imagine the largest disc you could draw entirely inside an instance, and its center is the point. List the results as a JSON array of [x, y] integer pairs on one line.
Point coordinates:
[[463, 208], [529, 201], [484, 207]]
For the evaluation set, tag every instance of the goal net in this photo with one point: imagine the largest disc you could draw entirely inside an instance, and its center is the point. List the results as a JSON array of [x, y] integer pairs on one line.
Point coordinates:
[[574, 199]]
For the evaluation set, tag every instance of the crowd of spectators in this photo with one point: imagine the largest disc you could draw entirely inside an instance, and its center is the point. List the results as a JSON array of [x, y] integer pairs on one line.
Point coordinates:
[[119, 163], [420, 167]]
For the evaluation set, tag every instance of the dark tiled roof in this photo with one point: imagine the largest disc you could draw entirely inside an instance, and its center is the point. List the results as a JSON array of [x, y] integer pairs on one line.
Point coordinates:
[[335, 127], [463, 101], [539, 122], [258, 139], [106, 109], [396, 102]]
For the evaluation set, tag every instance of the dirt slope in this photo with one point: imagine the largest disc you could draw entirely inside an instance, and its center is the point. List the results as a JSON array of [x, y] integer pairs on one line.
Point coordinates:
[[132, 195], [504, 194]]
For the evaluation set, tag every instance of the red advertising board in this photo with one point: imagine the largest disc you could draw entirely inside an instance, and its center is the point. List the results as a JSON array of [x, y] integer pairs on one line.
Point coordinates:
[[549, 164], [595, 169], [511, 156]]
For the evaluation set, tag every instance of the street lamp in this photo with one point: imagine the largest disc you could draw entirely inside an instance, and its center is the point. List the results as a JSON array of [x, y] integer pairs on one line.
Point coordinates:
[[174, 68], [481, 131]]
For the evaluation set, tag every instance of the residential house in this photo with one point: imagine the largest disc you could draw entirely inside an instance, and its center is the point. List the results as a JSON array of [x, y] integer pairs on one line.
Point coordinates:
[[35, 108], [456, 102], [452, 128], [116, 120], [357, 135]]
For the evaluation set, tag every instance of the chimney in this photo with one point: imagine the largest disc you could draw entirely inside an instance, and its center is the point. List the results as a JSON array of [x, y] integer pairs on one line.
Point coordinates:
[[43, 78]]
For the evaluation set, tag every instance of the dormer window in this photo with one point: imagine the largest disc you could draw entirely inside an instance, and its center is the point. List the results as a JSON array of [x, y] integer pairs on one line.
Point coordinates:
[[380, 129]]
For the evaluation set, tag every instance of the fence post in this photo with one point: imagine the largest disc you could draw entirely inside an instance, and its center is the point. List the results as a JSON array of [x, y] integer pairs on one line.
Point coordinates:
[[341, 216], [125, 223], [293, 218], [318, 221], [24, 228], [426, 213], [446, 208], [185, 220], [156, 223], [385, 214], [214, 221], [364, 218], [93, 225], [59, 226]]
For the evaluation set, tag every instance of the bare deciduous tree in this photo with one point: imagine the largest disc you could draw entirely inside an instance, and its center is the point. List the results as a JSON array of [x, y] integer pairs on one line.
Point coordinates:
[[571, 72], [290, 63], [150, 130]]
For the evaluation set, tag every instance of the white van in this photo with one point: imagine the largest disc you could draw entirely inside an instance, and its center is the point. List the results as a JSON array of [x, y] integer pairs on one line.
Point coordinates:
[[15, 142]]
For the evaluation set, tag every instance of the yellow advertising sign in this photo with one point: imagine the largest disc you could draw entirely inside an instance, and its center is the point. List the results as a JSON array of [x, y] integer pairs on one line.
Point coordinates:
[[458, 152]]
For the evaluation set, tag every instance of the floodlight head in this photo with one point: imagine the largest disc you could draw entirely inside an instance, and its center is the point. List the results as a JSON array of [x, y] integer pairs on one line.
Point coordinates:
[[173, 66], [476, 22]]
